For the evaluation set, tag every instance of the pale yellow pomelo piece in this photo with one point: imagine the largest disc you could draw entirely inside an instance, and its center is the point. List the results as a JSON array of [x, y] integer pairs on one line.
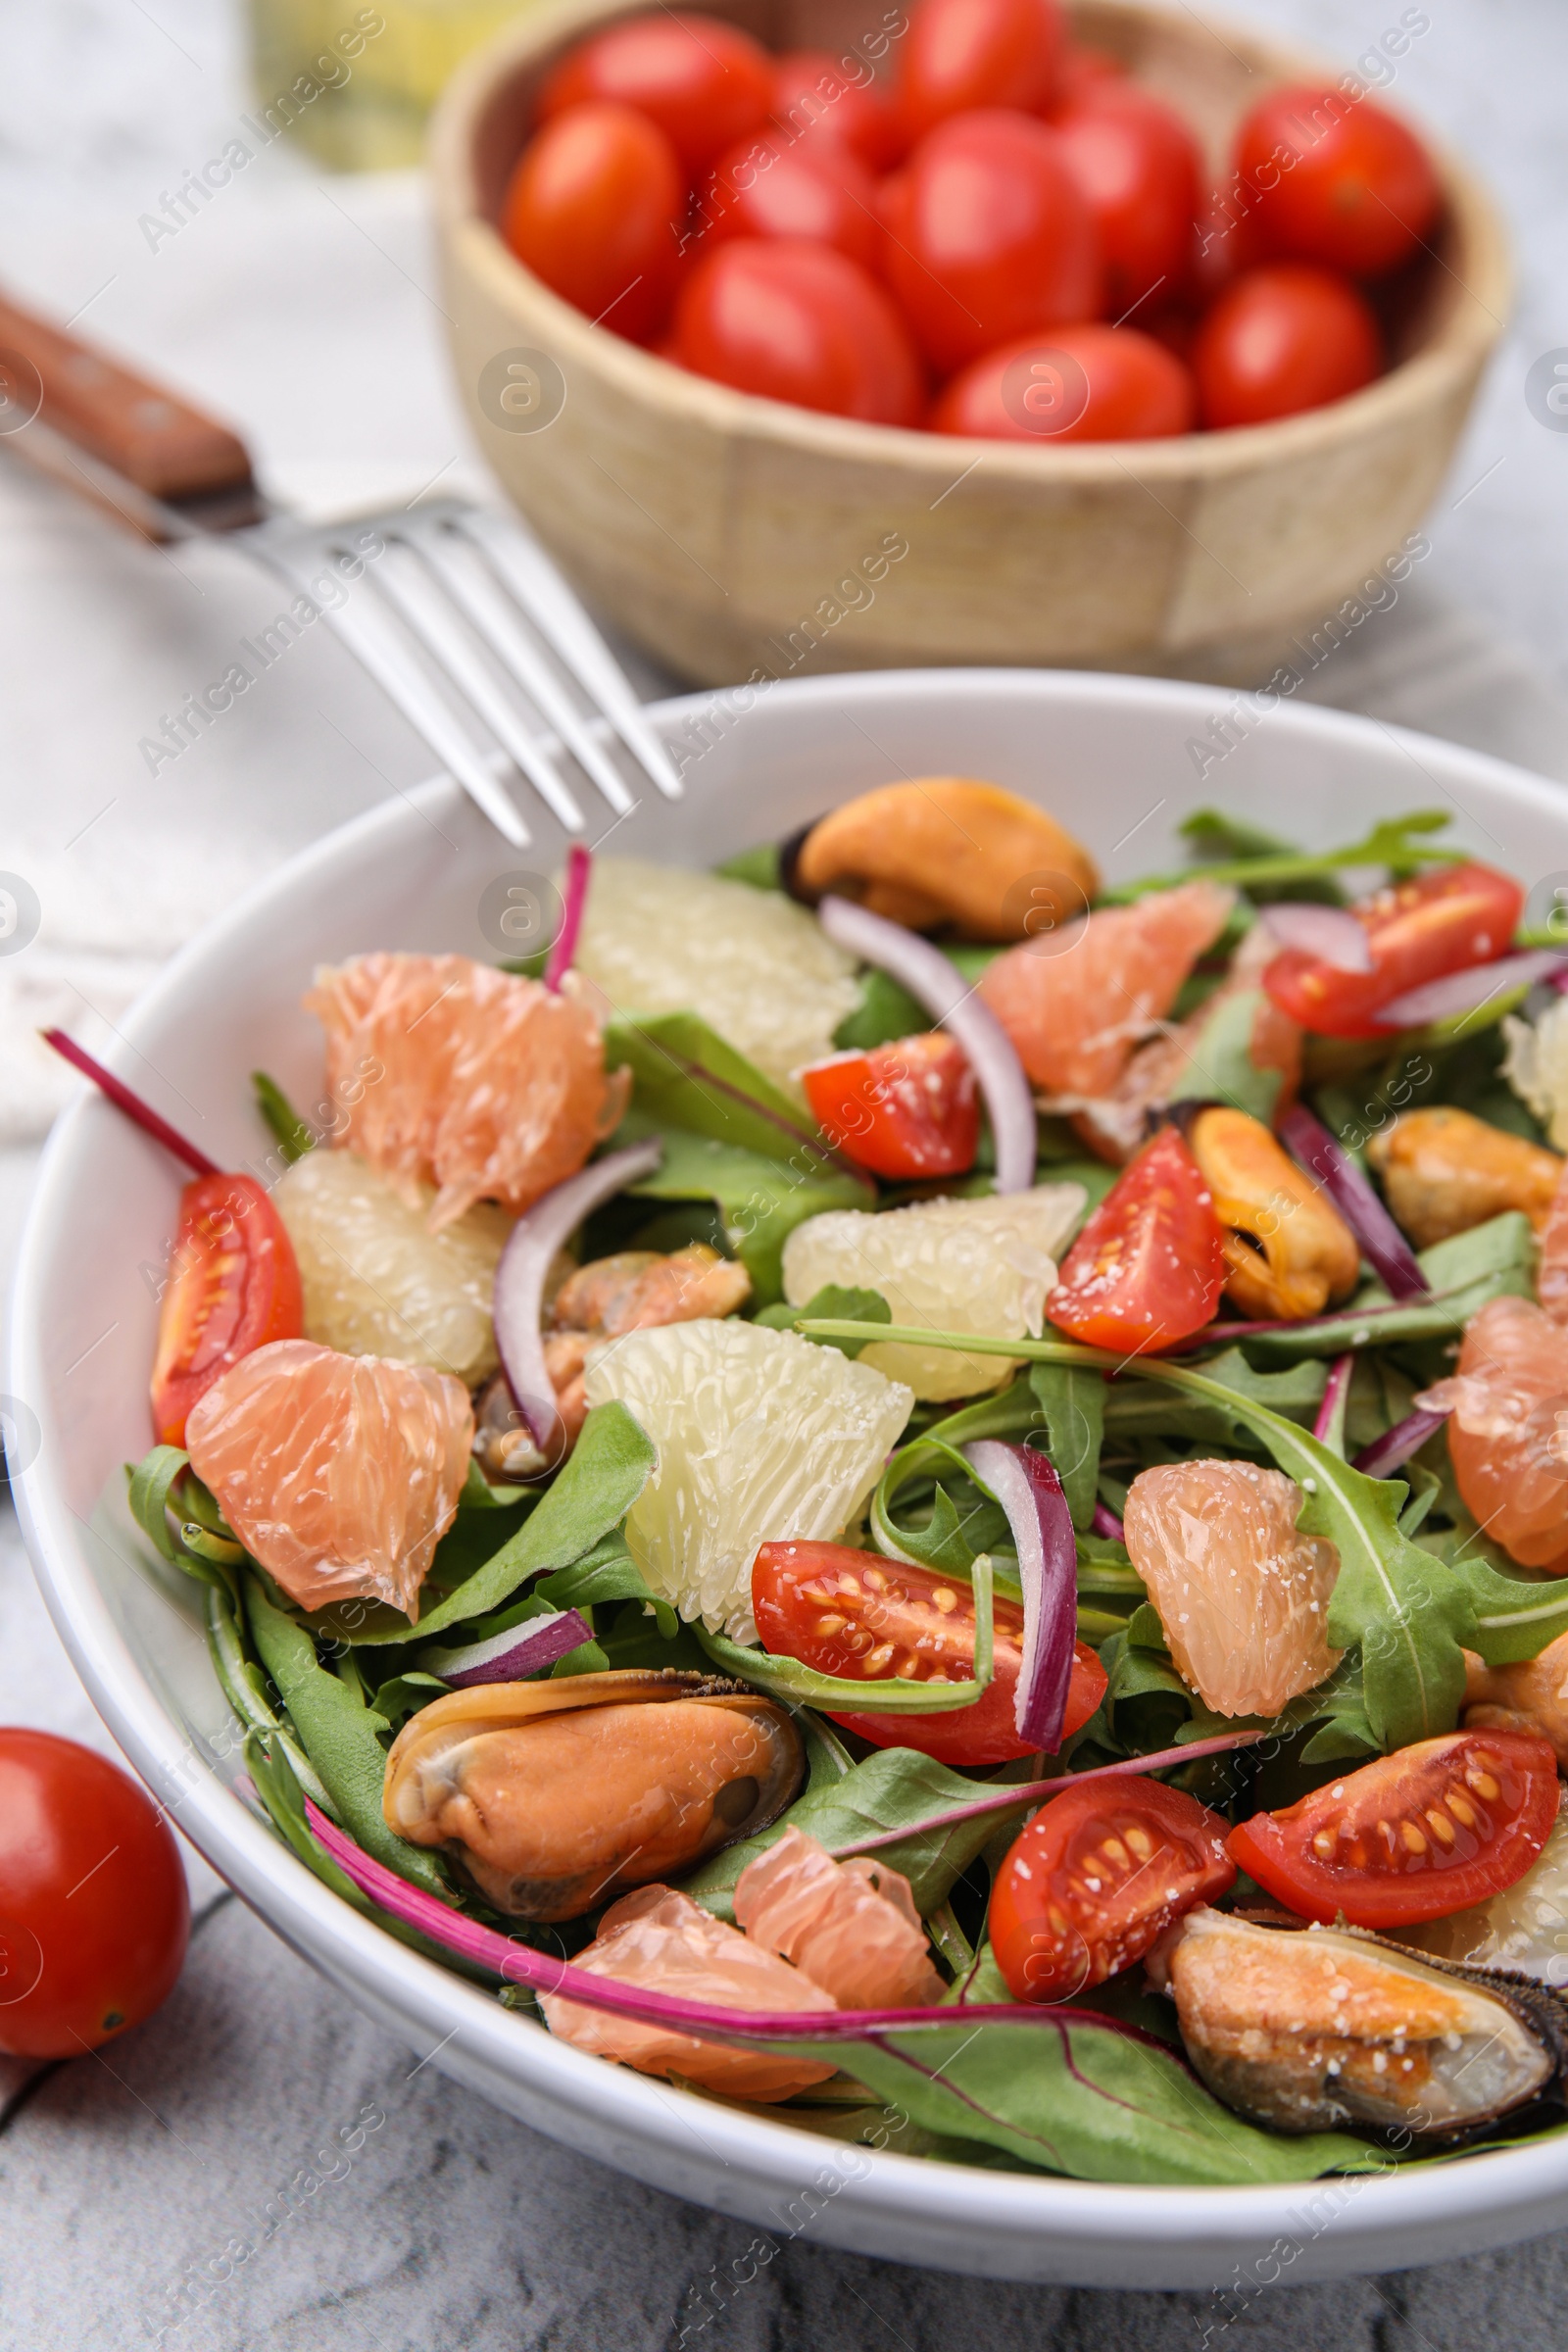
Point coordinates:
[[952, 1265], [763, 1438], [378, 1281], [755, 967]]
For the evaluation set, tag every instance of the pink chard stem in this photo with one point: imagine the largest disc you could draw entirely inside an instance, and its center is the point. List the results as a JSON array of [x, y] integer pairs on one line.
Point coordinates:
[[141, 1113], [579, 866]]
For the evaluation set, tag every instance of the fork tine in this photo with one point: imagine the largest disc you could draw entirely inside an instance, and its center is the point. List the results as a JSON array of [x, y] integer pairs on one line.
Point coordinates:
[[554, 608], [364, 631], [491, 614]]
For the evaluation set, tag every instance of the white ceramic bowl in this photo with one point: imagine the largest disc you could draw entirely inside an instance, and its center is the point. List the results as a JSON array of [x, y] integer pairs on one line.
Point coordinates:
[[1112, 757]]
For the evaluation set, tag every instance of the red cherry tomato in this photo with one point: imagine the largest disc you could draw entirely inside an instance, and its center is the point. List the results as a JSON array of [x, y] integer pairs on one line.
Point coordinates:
[[962, 54], [592, 209], [1338, 179], [1281, 339], [814, 94], [94, 1913], [856, 1614], [1148, 1267], [764, 187], [1444, 920], [799, 322], [1139, 169], [235, 1285], [1081, 71], [1098, 1874], [988, 237], [701, 81], [907, 1110], [1226, 240], [1427, 1830], [1078, 383]]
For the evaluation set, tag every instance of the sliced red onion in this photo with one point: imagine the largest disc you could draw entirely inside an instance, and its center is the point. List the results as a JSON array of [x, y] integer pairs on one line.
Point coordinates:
[[1385, 1246], [557, 964], [506, 1657], [952, 1001], [1334, 1388], [1393, 1448], [1467, 990], [1025, 1484], [519, 1301], [1330, 934], [1105, 1523], [141, 1113]]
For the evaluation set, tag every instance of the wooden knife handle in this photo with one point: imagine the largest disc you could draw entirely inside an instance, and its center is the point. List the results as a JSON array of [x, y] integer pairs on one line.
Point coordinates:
[[152, 436]]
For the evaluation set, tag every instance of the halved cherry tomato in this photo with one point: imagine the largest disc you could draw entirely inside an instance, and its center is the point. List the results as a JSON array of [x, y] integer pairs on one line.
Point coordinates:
[[1072, 383], [765, 187], [797, 321], [1336, 179], [960, 54], [704, 83], [1140, 169], [1098, 1874], [907, 1109], [1281, 340], [593, 208], [1444, 920], [814, 94], [856, 1614], [1427, 1830], [235, 1285], [1148, 1267]]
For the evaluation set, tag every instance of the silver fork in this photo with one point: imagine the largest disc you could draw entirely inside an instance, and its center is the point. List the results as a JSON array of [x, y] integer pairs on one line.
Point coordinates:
[[458, 614]]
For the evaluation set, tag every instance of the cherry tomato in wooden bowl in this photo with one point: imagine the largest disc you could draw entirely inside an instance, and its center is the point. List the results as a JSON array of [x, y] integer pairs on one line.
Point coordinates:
[[798, 321], [1081, 69], [235, 1285], [814, 94], [1339, 180], [1445, 920], [869, 1619], [1149, 1266], [990, 237], [765, 187], [592, 209], [1096, 1877], [94, 1912], [702, 82], [958, 55], [1075, 383], [1140, 170], [904, 1110], [1427, 1830], [1282, 339]]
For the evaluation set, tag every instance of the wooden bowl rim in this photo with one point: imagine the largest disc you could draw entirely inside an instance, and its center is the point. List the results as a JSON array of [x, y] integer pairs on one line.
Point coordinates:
[[1455, 351]]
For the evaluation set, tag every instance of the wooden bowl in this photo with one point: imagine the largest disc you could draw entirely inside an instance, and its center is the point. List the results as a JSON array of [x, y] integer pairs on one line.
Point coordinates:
[[733, 536]]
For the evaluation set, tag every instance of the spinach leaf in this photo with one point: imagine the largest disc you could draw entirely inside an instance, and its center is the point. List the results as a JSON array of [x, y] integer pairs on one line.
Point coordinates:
[[760, 1196], [850, 1306], [1072, 1405], [1221, 1068]]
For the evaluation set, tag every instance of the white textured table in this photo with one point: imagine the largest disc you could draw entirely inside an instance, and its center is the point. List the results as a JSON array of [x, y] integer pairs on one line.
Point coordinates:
[[173, 2184]]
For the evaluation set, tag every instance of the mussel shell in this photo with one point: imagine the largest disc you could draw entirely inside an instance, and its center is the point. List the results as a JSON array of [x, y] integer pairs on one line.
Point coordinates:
[[553, 1798], [1295, 2071]]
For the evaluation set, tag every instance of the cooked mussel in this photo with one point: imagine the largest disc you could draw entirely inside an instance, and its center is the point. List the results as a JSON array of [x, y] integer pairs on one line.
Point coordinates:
[[553, 1797], [1312, 2029]]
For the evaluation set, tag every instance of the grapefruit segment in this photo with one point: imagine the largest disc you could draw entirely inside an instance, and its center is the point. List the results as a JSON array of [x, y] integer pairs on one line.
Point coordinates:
[[1507, 1410]]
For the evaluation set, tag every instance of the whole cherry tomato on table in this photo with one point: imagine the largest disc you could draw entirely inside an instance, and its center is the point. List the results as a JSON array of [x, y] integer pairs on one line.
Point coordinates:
[[1280, 340], [904, 1110], [1445, 920], [1096, 1877], [702, 82], [814, 95], [235, 1285], [990, 237], [1427, 1830], [1149, 1266], [958, 55], [593, 208], [94, 1912], [1075, 383], [764, 188], [872, 1619], [797, 321], [1338, 179], [1139, 169]]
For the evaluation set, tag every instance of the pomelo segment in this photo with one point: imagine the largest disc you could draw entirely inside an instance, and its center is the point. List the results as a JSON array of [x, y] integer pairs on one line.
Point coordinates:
[[1076, 1001], [378, 1281], [340, 1474], [1244, 1599], [983, 1265], [755, 967], [761, 1436], [1507, 1410], [451, 1074]]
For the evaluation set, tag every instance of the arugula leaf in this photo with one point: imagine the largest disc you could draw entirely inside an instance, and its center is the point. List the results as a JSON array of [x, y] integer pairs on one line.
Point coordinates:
[[1493, 1260], [1212, 837], [607, 1470], [152, 1485], [1137, 1407], [687, 1076], [885, 1012], [760, 1198], [405, 1696], [1396, 843], [594, 1580], [294, 1139], [1072, 1404], [761, 867], [798, 1684], [1221, 1068], [851, 1306]]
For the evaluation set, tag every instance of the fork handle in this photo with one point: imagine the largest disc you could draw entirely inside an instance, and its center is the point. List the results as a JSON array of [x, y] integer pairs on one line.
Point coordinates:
[[147, 434]]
